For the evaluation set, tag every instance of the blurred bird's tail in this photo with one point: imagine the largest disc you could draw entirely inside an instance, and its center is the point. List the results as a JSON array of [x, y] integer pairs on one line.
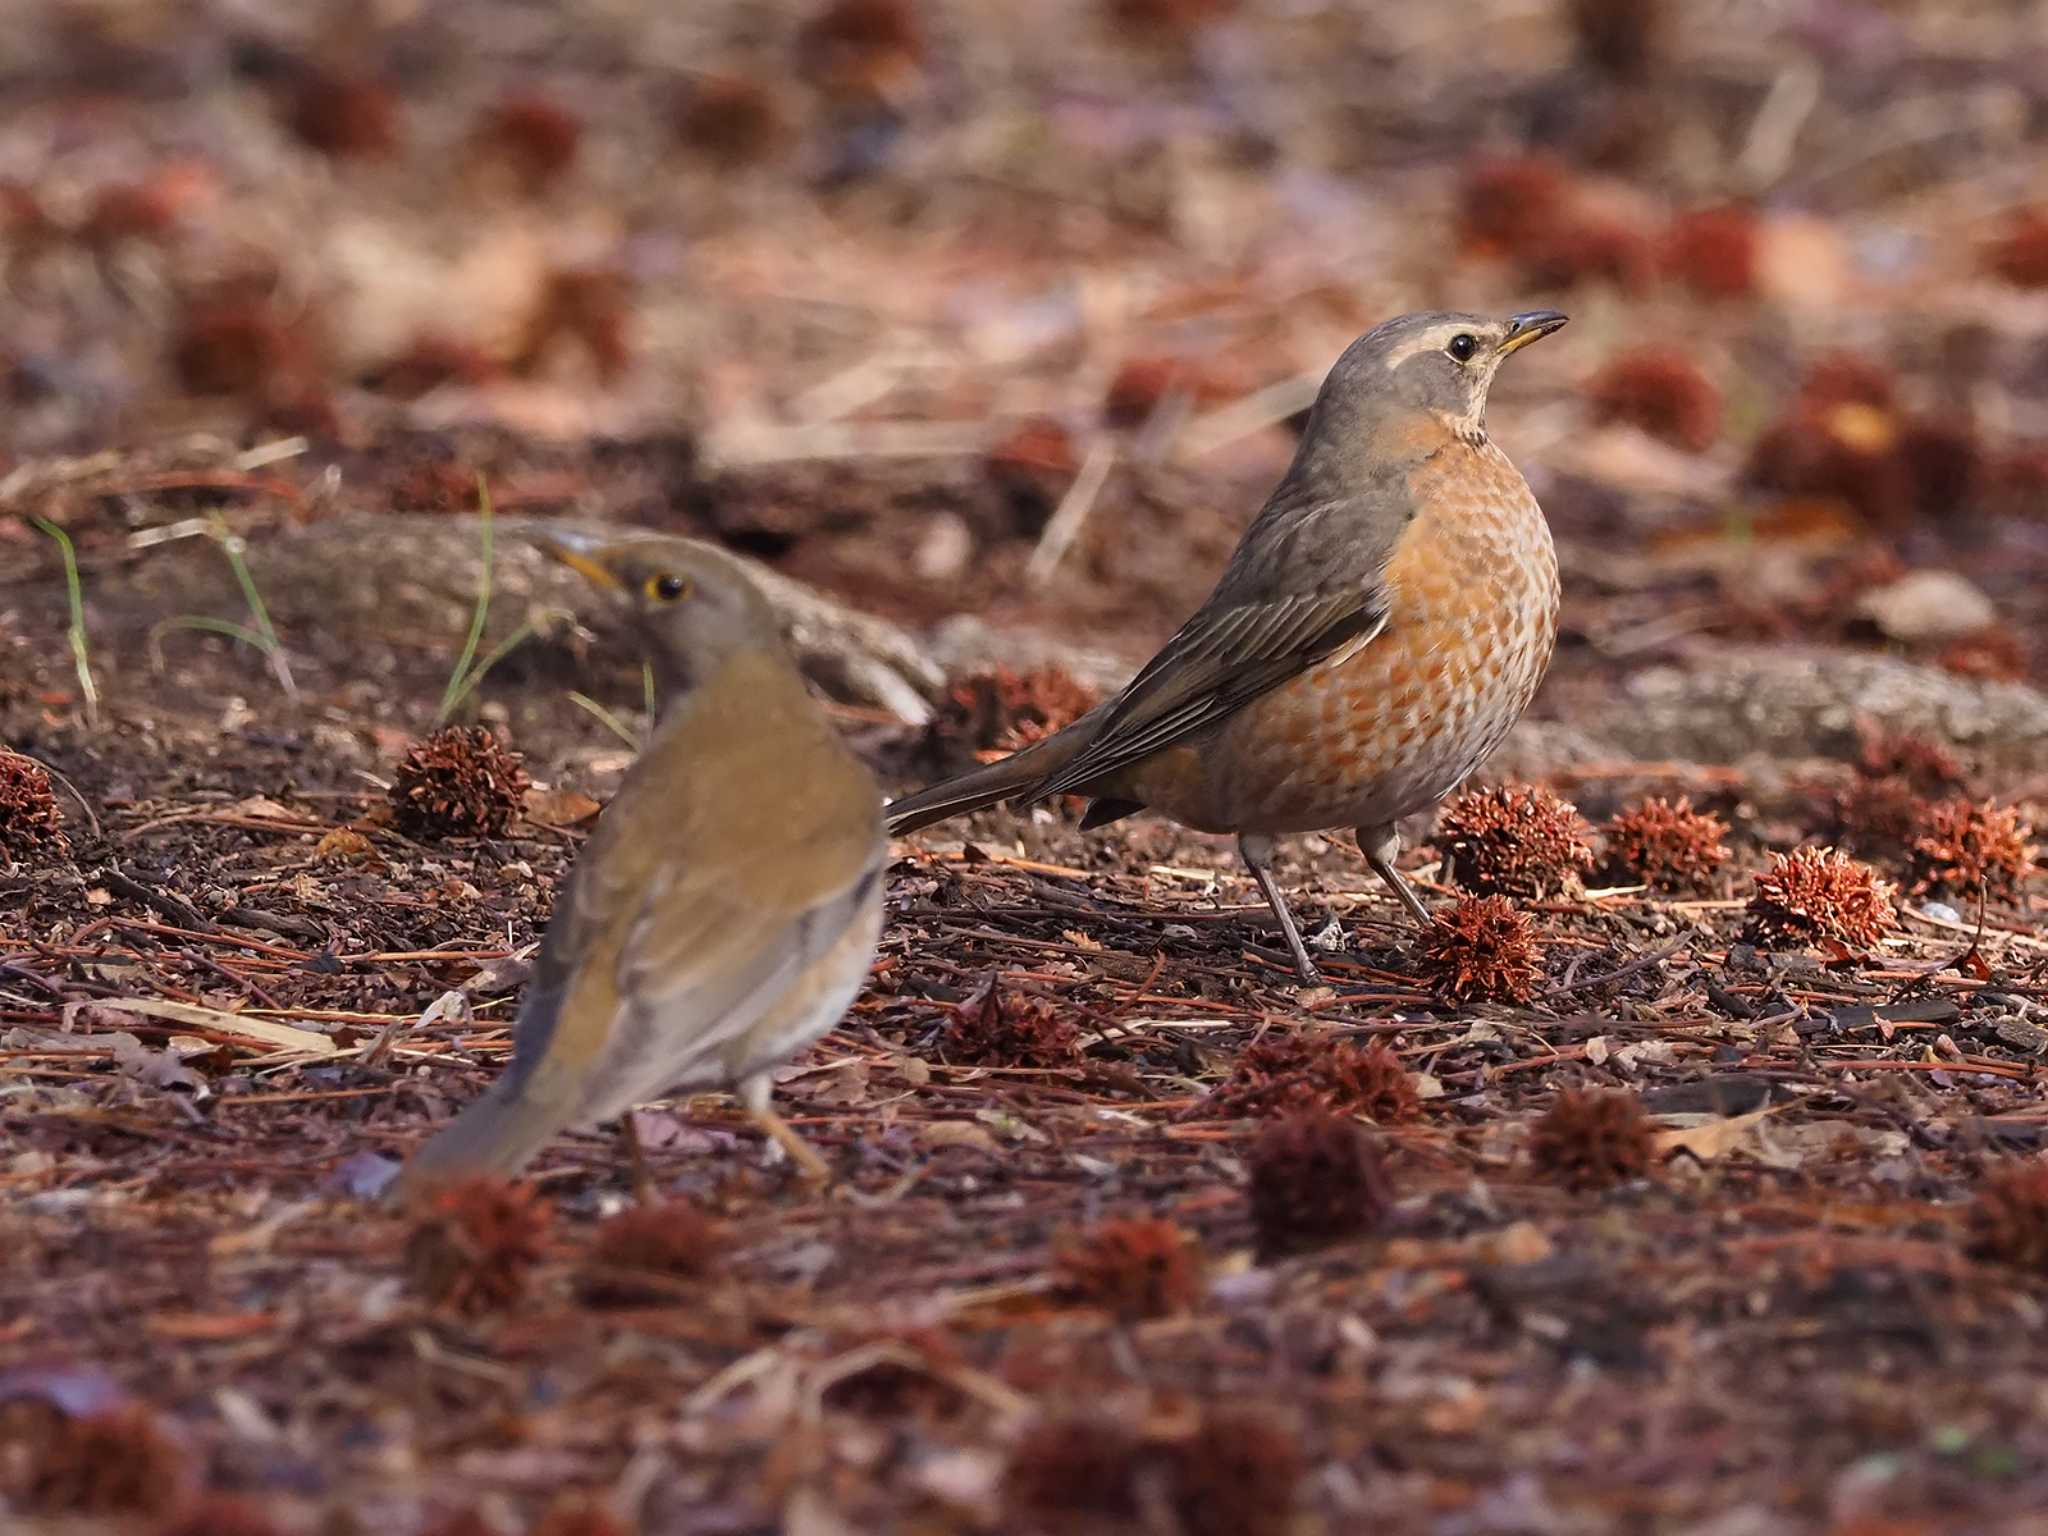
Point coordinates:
[[496, 1136], [990, 784]]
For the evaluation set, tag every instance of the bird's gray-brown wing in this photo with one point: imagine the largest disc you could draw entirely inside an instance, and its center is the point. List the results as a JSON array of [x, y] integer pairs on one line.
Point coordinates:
[[1294, 596], [699, 964], [582, 908]]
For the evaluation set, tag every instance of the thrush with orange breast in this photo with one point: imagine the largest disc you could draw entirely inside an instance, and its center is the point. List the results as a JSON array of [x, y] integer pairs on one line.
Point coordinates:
[[725, 911], [1383, 622]]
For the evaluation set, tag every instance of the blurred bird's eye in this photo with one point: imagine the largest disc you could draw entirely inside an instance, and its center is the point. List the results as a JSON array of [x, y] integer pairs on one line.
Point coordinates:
[[1462, 346], [668, 589]]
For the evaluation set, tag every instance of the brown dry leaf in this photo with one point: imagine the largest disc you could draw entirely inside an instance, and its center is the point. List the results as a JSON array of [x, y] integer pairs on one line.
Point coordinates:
[[560, 807], [158, 1069], [957, 1133], [345, 845], [497, 978], [1711, 1137], [1793, 1146], [843, 1083], [263, 808], [1521, 1242]]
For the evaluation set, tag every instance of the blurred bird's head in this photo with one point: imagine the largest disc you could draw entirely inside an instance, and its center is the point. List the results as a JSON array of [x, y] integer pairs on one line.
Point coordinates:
[[1418, 372], [691, 605]]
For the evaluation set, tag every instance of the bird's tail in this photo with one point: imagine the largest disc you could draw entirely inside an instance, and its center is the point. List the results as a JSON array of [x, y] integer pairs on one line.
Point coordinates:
[[990, 784], [496, 1136]]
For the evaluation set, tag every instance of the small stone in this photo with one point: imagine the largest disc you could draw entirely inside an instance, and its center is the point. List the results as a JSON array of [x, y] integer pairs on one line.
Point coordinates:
[[1927, 606]]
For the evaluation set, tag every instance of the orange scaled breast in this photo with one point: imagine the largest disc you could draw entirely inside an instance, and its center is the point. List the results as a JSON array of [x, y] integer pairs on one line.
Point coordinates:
[[1366, 739]]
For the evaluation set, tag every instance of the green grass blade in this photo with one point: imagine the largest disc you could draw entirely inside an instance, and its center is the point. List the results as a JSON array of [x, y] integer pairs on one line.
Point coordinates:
[[81, 659], [459, 681], [607, 719]]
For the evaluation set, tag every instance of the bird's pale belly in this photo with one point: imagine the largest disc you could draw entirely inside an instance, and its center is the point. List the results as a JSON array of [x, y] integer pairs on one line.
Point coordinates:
[[1366, 739]]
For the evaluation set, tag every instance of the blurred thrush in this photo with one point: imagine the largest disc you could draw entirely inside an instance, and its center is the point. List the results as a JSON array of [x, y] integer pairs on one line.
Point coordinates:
[[726, 909], [1383, 622]]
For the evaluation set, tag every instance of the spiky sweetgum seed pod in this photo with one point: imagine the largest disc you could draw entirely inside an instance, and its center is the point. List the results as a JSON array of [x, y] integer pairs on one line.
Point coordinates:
[[1993, 655], [1016, 1030], [219, 1514], [2020, 253], [1316, 1178], [474, 1244], [118, 1461], [730, 121], [2009, 1218], [343, 115], [1514, 840], [1589, 1139], [1075, 1467], [1480, 948], [1138, 1268], [1623, 39], [1239, 1474], [1879, 816], [1667, 844], [464, 1522], [30, 823], [1964, 844], [1928, 767], [459, 781], [1665, 395], [1714, 251], [1290, 1073], [1590, 248], [634, 1253], [536, 135], [1007, 709], [1506, 203], [579, 1514], [1818, 896]]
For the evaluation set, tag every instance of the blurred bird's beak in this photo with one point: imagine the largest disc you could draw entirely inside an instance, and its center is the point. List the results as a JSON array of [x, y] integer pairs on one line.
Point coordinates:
[[1531, 325], [585, 561]]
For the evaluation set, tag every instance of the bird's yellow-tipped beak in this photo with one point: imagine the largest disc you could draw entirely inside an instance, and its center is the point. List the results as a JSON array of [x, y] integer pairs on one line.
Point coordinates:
[[1531, 325], [584, 562]]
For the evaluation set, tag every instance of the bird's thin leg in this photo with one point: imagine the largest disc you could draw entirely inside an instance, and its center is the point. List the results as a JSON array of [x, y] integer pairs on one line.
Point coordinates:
[[1258, 858], [753, 1094], [644, 1192], [1381, 846]]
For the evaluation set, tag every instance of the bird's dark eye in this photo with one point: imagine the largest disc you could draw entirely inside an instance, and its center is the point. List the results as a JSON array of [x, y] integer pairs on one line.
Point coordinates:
[[1462, 346], [669, 589]]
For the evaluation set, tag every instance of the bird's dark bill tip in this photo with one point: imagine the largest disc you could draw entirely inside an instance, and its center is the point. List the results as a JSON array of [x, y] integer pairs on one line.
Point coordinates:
[[1532, 325]]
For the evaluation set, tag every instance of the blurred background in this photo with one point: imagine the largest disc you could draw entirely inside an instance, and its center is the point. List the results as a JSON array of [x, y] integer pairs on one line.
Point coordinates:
[[989, 325], [868, 288]]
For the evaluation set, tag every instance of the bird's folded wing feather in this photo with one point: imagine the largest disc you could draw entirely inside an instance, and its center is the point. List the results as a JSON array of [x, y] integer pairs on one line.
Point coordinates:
[[1219, 661], [1307, 581], [702, 962]]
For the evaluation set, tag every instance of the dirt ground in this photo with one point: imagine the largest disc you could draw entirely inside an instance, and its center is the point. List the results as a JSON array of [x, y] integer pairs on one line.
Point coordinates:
[[1669, 1205]]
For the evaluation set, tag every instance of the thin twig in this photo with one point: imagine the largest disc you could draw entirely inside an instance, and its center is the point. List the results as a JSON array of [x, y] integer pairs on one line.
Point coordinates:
[[1064, 526]]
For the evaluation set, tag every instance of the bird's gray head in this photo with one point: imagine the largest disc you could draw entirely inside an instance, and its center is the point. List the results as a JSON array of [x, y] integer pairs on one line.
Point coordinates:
[[691, 604], [1414, 370]]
